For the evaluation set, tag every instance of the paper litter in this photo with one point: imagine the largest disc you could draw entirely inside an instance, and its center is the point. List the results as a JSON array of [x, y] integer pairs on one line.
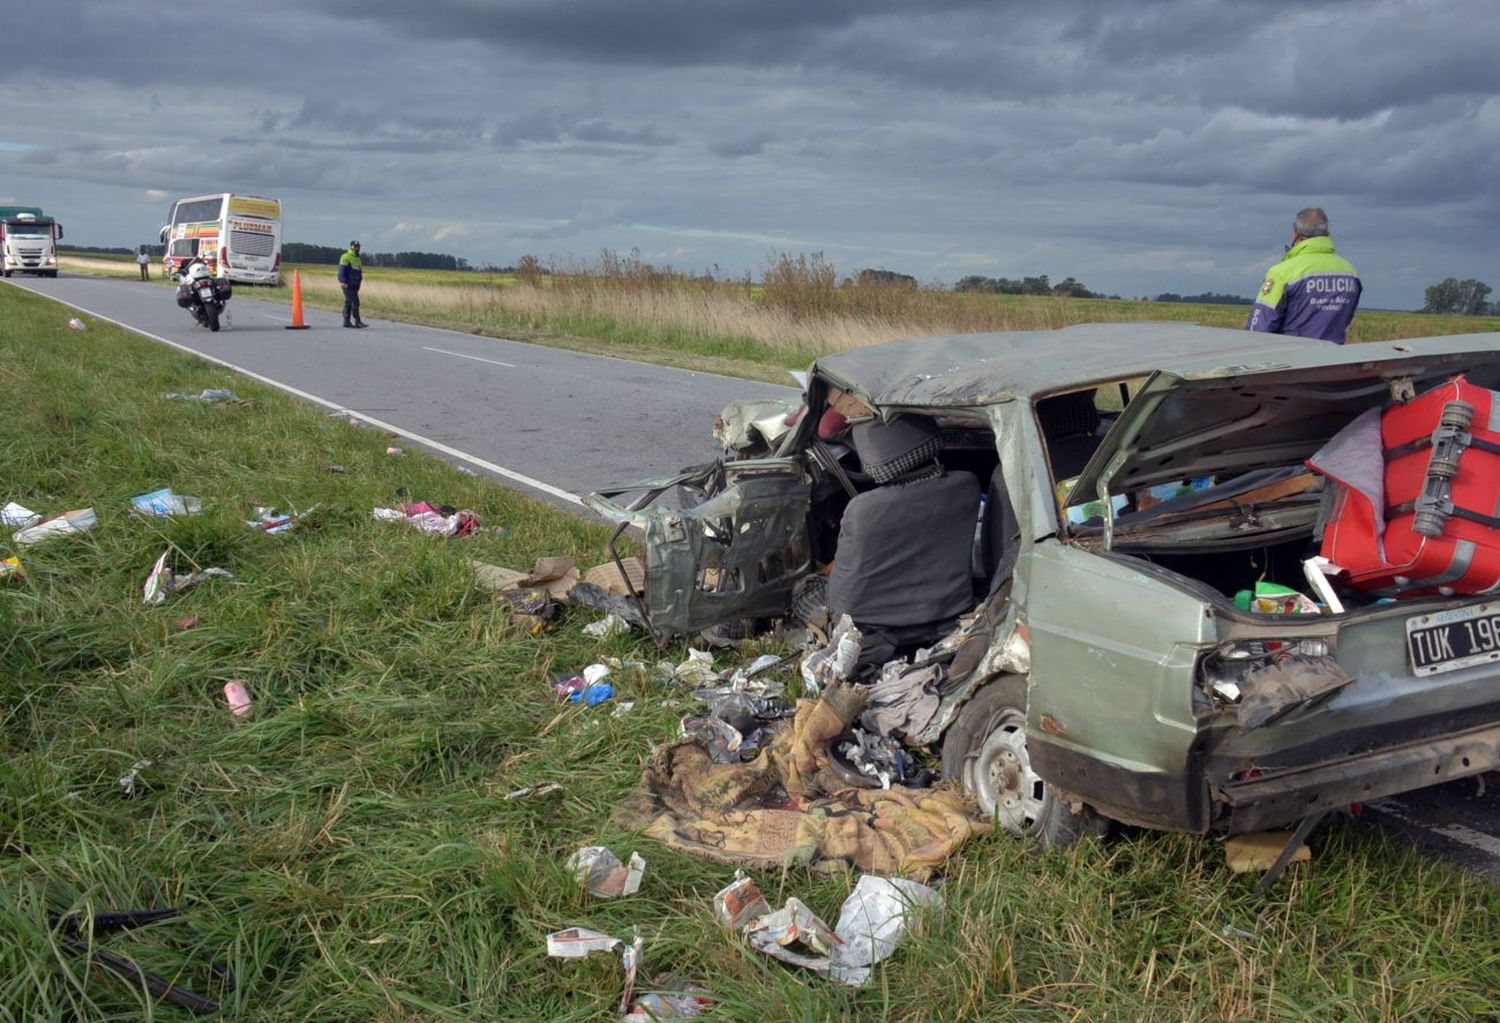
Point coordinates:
[[165, 502], [163, 580], [67, 523], [602, 873]]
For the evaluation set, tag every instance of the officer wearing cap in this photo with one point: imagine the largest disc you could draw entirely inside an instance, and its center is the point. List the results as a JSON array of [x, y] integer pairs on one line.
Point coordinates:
[[1313, 291], [351, 274]]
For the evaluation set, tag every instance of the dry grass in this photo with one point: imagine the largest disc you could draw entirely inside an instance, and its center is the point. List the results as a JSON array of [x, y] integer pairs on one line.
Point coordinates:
[[802, 309]]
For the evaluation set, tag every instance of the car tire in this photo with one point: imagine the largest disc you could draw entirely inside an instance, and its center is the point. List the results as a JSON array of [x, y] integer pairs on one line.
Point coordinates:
[[985, 750]]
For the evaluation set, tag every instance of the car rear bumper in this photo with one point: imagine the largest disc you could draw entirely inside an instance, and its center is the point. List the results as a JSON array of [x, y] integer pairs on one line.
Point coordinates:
[[1279, 797]]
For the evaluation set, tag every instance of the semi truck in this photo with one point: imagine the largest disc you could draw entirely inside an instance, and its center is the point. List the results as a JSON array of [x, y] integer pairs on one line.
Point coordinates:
[[28, 241]]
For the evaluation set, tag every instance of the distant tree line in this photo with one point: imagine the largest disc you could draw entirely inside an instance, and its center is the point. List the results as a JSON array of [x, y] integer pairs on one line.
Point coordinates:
[[114, 250], [1454, 297], [1207, 298], [1041, 285], [301, 252]]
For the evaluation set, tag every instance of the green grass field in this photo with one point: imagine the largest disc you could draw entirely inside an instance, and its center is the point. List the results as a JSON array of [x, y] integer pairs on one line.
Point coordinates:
[[348, 849]]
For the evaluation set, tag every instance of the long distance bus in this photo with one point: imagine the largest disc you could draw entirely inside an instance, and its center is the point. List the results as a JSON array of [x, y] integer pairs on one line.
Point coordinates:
[[238, 236]]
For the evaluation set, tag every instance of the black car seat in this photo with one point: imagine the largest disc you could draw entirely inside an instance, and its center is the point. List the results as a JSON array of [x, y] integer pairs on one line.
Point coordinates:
[[904, 549]]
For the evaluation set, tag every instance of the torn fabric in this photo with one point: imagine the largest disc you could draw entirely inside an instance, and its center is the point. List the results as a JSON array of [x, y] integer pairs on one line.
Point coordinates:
[[788, 806]]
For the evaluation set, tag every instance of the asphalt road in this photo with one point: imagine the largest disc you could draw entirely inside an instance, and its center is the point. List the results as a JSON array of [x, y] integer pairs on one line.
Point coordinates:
[[557, 423], [561, 424]]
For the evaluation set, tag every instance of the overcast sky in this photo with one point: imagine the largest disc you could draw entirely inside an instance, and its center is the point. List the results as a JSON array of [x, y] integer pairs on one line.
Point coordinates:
[[1141, 147]]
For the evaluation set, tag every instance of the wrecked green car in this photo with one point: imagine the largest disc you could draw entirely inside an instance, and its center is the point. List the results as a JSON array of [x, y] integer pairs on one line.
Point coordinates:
[[1143, 485]]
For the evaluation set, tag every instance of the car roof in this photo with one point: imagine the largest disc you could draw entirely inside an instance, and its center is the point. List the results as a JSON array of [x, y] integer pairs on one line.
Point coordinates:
[[978, 369]]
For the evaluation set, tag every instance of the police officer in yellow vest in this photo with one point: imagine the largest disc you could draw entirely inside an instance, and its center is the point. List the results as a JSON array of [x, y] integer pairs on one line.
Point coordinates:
[[351, 276], [1313, 291]]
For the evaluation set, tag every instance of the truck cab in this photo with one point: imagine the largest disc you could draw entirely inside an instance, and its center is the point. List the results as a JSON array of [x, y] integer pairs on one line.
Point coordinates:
[[28, 241]]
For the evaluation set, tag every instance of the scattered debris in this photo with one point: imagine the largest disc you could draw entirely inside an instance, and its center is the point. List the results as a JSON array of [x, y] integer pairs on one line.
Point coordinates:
[[697, 670], [556, 575], [76, 324], [209, 395], [904, 700], [67, 523], [466, 470], [395, 452], [873, 921], [11, 571], [835, 661], [493, 577], [878, 758], [542, 788], [789, 806], [1275, 599], [336, 468], [672, 999], [586, 594], [444, 520], [83, 935], [190, 622], [589, 687], [163, 580], [608, 578], [18, 516], [740, 902], [1255, 853], [794, 934], [165, 502], [269, 519], [126, 781], [578, 942], [238, 698], [622, 708], [531, 607], [602, 873], [608, 627]]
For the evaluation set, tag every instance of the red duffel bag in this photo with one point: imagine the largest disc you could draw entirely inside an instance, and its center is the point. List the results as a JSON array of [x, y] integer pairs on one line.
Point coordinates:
[[1416, 506]]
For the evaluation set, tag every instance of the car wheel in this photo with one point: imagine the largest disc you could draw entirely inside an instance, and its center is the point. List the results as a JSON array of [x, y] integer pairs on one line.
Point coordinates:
[[985, 749]]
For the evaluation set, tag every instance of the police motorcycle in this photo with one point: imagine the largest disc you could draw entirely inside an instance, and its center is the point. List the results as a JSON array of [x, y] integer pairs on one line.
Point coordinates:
[[203, 294]]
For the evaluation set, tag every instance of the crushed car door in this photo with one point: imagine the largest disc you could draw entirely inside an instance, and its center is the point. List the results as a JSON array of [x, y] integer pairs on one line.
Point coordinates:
[[724, 541]]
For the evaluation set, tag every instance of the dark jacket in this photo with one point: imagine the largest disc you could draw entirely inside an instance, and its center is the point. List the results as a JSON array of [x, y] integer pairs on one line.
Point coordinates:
[[351, 269]]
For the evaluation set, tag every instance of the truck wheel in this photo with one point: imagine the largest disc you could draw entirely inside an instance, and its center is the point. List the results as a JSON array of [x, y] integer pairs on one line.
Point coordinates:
[[985, 749], [213, 317]]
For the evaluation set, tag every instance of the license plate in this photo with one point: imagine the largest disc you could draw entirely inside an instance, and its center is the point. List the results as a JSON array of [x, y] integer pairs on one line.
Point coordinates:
[[1448, 640]]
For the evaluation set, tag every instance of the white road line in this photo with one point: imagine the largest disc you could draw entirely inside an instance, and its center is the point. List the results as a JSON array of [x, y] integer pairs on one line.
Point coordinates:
[[1461, 833], [498, 470], [460, 355]]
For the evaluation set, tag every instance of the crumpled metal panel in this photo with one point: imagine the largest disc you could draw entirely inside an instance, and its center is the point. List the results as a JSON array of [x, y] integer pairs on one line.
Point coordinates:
[[733, 545]]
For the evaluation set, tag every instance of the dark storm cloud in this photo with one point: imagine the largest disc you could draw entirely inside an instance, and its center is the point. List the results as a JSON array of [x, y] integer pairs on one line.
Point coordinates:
[[1129, 144]]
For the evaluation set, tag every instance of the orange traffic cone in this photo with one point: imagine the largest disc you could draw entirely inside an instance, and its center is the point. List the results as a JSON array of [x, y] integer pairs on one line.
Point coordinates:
[[297, 323]]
